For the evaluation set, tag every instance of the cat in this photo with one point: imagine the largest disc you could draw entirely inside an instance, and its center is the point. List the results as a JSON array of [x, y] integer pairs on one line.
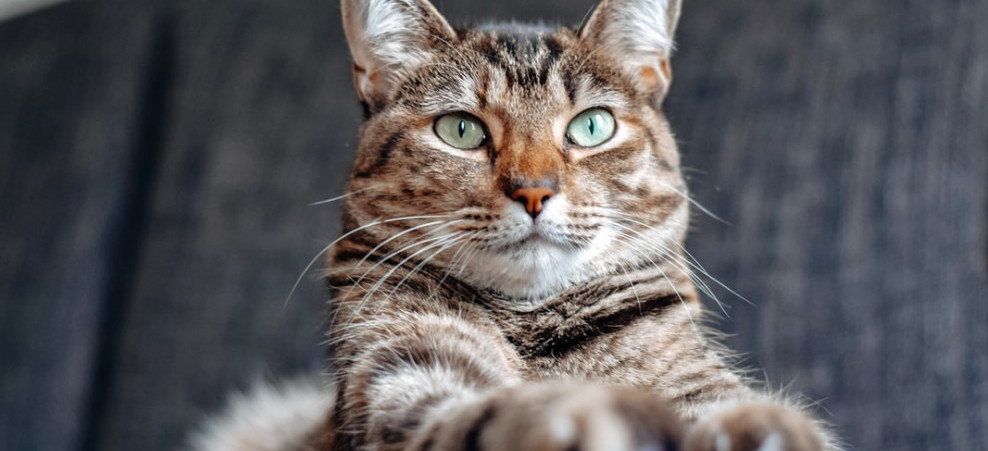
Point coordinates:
[[511, 274]]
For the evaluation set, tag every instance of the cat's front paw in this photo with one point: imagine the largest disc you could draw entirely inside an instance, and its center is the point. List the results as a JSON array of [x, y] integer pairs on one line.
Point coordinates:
[[549, 418], [755, 426]]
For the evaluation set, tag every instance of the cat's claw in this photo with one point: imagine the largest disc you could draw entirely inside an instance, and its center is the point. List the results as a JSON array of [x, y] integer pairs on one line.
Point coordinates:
[[562, 429], [772, 443], [723, 441], [754, 427]]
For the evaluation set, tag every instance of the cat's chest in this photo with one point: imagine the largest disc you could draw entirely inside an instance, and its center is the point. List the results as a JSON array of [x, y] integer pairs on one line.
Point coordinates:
[[613, 345], [573, 323]]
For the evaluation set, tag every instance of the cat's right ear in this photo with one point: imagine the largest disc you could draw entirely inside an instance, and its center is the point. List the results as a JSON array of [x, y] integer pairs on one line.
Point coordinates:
[[388, 37], [641, 32]]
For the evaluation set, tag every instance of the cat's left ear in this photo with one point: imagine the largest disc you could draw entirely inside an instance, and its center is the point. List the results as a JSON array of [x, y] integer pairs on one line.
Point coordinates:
[[388, 38], [641, 33]]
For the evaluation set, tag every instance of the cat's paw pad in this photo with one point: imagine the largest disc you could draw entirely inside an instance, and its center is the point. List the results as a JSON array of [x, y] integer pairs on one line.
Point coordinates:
[[580, 417], [607, 420], [754, 427]]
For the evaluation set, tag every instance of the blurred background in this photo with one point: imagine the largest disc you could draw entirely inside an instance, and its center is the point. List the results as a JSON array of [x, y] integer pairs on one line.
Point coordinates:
[[158, 159]]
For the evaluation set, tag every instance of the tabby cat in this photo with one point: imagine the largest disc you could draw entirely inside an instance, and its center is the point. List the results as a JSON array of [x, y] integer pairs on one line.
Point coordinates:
[[511, 274]]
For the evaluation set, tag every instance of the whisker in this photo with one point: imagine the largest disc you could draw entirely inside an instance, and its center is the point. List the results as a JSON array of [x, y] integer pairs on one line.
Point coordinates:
[[474, 249], [400, 264], [344, 196], [638, 299], [341, 238], [452, 241], [694, 263], [466, 244], [678, 261], [404, 232], [331, 200], [631, 242], [691, 261], [695, 203], [392, 254], [301, 276], [703, 271]]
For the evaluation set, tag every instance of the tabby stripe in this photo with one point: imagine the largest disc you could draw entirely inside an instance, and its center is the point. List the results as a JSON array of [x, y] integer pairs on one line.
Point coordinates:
[[472, 440], [544, 71], [555, 49], [428, 443], [395, 358], [423, 281], [409, 358], [696, 393], [570, 85], [482, 92], [560, 341], [680, 351], [396, 433], [692, 379], [383, 153], [365, 243]]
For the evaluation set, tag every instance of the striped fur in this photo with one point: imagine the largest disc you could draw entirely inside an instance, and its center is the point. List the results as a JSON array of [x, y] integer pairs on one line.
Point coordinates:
[[460, 322]]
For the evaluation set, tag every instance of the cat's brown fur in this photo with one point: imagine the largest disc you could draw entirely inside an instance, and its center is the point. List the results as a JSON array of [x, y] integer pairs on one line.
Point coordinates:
[[461, 321]]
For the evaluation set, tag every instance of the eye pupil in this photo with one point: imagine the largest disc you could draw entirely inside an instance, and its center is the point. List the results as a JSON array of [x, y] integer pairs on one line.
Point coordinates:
[[591, 128], [460, 130]]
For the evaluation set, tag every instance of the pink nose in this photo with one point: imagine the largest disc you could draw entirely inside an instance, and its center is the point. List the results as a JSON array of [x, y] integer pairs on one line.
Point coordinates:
[[532, 198]]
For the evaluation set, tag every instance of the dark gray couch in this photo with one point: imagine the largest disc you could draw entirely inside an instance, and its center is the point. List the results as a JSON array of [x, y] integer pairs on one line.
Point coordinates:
[[157, 160]]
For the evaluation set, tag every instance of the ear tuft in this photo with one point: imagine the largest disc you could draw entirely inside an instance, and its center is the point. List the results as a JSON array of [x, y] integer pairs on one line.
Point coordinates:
[[388, 37], [642, 32]]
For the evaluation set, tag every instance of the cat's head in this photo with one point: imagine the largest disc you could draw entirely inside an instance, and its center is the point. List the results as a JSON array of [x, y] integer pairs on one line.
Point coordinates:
[[525, 159]]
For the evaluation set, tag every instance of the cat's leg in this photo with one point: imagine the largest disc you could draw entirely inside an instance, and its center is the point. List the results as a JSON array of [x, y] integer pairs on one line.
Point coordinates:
[[669, 353], [442, 382], [395, 372], [736, 417], [727, 414]]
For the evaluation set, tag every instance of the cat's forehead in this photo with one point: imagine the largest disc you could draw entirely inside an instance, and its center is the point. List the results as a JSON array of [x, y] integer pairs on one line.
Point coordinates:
[[507, 44], [519, 30], [512, 63]]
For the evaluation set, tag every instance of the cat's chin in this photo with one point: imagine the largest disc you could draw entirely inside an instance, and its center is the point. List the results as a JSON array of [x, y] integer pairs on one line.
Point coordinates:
[[527, 273]]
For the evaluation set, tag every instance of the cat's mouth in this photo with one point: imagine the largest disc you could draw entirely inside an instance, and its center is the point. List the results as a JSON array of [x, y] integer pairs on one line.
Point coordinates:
[[534, 239], [540, 238]]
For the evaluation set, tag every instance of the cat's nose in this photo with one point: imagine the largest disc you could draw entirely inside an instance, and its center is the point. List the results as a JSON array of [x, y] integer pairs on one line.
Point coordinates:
[[532, 198]]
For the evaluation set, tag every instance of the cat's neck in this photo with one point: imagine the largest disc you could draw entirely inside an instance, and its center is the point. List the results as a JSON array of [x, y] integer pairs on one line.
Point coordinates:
[[620, 285]]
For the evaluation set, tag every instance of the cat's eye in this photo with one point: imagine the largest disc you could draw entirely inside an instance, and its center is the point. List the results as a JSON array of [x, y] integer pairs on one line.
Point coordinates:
[[591, 128], [460, 130]]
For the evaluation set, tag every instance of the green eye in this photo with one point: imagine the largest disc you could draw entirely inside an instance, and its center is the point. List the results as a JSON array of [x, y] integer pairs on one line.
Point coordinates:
[[591, 128], [460, 130]]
